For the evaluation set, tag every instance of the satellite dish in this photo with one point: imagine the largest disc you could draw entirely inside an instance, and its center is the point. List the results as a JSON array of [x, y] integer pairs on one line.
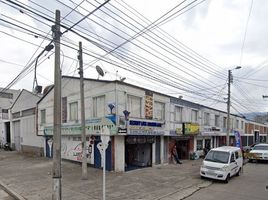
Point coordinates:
[[122, 79], [99, 70]]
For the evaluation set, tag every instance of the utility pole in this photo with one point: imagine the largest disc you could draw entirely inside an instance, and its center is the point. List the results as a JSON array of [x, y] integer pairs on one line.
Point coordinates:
[[230, 80], [228, 108], [56, 170], [83, 130]]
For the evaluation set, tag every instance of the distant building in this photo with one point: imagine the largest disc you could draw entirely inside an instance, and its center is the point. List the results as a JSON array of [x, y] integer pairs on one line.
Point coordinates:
[[23, 124], [7, 98]]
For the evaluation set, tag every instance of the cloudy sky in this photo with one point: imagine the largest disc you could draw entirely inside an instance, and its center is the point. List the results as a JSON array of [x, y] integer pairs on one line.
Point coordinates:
[[178, 47]]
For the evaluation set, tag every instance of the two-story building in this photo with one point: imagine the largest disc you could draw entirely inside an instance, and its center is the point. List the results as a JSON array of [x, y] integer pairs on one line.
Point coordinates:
[[134, 115], [7, 98], [144, 125]]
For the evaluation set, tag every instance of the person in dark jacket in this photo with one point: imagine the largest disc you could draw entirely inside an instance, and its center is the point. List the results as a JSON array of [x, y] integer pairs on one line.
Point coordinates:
[[175, 154]]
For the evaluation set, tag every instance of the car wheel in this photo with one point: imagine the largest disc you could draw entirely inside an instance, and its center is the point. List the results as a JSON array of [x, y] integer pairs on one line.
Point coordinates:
[[227, 178], [250, 160], [239, 172], [202, 177]]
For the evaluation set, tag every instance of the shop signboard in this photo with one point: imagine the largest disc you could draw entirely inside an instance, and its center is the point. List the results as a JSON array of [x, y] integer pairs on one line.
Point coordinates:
[[92, 126], [191, 128], [149, 105], [138, 127]]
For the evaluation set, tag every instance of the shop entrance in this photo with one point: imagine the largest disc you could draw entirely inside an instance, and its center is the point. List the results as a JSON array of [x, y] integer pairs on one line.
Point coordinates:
[[183, 149], [138, 152]]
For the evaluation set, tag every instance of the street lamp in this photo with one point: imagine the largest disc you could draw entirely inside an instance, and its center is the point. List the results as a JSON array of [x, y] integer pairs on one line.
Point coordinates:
[[48, 48], [230, 80]]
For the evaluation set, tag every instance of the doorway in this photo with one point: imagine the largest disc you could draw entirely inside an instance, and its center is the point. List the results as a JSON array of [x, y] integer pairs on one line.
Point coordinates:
[[183, 149], [7, 125]]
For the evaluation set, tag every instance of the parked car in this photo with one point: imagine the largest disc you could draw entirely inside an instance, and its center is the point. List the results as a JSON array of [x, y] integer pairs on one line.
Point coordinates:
[[222, 163], [259, 152], [246, 150]]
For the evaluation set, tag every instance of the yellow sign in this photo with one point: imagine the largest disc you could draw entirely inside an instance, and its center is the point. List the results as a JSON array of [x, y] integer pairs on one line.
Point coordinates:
[[191, 129]]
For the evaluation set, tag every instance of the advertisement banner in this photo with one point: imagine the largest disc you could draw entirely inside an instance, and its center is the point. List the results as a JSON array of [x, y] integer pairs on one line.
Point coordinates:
[[237, 139], [191, 128]]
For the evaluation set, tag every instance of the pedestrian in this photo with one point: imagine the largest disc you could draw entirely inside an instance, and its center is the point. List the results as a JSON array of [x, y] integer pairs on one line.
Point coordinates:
[[175, 154]]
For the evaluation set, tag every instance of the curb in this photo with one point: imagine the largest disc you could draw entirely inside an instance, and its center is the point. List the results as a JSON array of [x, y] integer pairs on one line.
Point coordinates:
[[183, 193], [11, 192]]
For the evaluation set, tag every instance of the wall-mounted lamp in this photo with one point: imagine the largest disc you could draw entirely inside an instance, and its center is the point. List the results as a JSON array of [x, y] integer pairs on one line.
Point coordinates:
[[126, 113], [111, 106]]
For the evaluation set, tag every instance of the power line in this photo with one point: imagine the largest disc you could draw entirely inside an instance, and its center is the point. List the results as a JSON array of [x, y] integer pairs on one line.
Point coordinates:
[[245, 34]]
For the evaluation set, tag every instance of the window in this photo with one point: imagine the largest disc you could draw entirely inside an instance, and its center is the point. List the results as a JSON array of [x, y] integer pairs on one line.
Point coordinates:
[[232, 157], [217, 120], [16, 115], [73, 111], [134, 106], [237, 124], [159, 110], [99, 106], [194, 115], [236, 155], [232, 123], [6, 95], [178, 114], [206, 119], [43, 116], [28, 112], [242, 125], [224, 122], [4, 110], [199, 145]]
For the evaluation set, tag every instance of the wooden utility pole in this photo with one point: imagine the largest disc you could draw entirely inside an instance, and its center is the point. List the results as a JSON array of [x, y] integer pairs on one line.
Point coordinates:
[[83, 130], [56, 170]]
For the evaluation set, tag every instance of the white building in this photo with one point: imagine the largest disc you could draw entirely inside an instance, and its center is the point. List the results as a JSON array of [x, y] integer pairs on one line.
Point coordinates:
[[140, 141], [144, 125], [23, 124], [7, 98]]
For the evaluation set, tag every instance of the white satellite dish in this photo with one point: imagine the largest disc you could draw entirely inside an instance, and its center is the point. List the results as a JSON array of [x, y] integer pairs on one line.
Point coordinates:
[[99, 70]]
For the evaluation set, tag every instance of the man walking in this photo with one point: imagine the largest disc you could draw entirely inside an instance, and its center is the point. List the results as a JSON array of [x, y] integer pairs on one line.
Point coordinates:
[[175, 154]]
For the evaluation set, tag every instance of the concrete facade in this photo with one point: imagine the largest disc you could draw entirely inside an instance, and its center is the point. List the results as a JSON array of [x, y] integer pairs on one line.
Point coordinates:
[[144, 124], [7, 98], [23, 124]]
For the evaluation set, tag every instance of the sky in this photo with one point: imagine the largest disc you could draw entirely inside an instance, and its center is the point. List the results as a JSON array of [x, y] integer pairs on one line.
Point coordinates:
[[177, 47]]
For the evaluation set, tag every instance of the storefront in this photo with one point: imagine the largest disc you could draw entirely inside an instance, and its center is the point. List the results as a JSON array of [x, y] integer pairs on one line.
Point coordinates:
[[138, 151], [143, 144], [71, 144], [183, 137]]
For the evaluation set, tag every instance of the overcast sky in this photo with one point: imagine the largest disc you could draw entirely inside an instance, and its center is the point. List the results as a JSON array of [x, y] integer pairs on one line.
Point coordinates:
[[190, 56]]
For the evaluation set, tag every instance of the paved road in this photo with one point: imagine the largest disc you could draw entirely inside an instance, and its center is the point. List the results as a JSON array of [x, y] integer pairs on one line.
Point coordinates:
[[251, 185], [5, 196], [30, 177]]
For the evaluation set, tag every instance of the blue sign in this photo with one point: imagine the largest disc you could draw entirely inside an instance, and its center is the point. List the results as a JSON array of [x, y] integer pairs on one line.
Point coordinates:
[[144, 123], [237, 139]]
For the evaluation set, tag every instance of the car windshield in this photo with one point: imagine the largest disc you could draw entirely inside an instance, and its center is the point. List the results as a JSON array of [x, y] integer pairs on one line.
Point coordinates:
[[260, 147], [217, 156]]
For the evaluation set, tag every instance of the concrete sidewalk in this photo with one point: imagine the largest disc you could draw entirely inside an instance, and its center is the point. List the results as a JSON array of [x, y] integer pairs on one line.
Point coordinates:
[[30, 178]]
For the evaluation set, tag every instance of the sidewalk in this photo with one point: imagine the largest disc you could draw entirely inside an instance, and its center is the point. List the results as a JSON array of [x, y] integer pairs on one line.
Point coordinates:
[[30, 177]]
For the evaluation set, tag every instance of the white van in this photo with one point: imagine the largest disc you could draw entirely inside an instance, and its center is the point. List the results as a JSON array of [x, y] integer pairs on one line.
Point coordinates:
[[222, 163]]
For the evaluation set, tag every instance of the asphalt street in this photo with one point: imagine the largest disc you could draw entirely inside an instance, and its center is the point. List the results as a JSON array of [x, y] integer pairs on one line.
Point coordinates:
[[251, 185]]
